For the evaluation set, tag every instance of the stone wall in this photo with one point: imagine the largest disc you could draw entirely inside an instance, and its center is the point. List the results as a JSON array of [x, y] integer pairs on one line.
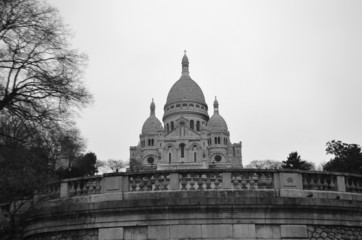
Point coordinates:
[[334, 233], [89, 234]]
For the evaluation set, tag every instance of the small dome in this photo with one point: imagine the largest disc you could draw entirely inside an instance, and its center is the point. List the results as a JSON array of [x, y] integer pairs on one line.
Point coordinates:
[[217, 124], [152, 125]]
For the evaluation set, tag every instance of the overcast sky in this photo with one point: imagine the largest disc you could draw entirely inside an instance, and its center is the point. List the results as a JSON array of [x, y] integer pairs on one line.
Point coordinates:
[[287, 74]]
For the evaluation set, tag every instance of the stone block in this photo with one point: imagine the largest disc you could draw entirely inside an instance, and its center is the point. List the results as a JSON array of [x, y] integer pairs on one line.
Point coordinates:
[[341, 185], [112, 183], [267, 231], [135, 233], [217, 231], [158, 232], [226, 180], [64, 192], [244, 231], [290, 180], [110, 234], [174, 182], [290, 193], [293, 231], [185, 231]]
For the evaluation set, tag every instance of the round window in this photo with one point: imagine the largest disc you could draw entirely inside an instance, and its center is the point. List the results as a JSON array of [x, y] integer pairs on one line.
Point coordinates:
[[217, 158], [150, 160]]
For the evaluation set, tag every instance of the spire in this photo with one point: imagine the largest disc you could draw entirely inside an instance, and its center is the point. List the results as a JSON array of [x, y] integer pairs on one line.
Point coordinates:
[[216, 106], [152, 107], [185, 64]]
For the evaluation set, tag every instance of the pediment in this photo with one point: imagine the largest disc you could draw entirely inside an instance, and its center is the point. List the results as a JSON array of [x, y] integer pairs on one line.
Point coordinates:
[[189, 133]]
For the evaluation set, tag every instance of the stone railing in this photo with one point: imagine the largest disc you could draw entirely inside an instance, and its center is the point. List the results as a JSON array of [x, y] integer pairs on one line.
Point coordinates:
[[204, 180], [320, 181], [50, 191], [149, 182]]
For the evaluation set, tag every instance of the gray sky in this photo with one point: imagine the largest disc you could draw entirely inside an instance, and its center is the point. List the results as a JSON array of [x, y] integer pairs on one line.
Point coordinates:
[[287, 74]]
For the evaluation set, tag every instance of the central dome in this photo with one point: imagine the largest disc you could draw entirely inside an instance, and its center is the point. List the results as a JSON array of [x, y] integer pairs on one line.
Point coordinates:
[[185, 89]]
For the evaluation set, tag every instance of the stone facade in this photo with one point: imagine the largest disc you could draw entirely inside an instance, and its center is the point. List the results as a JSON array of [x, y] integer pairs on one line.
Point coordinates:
[[89, 234], [334, 233], [188, 138]]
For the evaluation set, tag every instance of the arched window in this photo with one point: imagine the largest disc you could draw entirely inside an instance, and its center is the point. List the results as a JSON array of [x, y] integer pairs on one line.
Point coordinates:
[[194, 149], [218, 140], [152, 142], [182, 128], [182, 147], [172, 126], [215, 140], [149, 142], [198, 126], [169, 157], [167, 128], [192, 124]]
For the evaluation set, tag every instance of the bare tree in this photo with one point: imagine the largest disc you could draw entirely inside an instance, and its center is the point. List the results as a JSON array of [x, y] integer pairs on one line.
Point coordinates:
[[116, 165], [264, 164], [40, 75]]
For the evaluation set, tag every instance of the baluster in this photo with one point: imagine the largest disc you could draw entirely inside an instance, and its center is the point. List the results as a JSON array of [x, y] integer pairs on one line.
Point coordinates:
[[269, 183], [78, 190], [87, 188], [98, 187], [212, 180], [71, 189], [244, 181], [305, 181], [138, 182], [234, 180], [166, 182], [208, 181], [192, 182], [332, 183], [149, 182], [218, 180], [157, 183], [324, 180], [141, 183], [183, 182], [133, 184], [262, 181], [200, 182], [92, 186]]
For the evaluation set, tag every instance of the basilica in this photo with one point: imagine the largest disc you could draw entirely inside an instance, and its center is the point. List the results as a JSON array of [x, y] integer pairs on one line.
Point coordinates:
[[188, 137]]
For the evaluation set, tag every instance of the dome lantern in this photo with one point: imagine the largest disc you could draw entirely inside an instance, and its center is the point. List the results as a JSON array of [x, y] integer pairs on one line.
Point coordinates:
[[152, 107], [216, 106], [185, 64]]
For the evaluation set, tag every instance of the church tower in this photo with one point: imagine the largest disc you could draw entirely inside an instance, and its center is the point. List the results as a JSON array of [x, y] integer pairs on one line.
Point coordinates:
[[188, 138]]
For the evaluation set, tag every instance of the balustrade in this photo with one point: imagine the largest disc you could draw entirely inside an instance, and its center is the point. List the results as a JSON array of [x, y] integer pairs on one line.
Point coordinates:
[[319, 181], [200, 181], [252, 180], [85, 186], [149, 182], [353, 184], [50, 191], [243, 179]]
